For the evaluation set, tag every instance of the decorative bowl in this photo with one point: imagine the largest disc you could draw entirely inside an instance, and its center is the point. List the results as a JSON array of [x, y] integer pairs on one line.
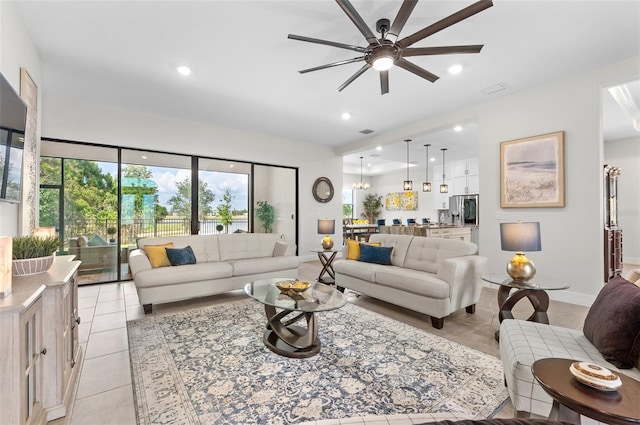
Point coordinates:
[[595, 376], [294, 285], [29, 266]]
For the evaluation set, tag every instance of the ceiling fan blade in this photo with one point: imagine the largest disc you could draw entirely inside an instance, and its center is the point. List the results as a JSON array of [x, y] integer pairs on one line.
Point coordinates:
[[326, 42], [402, 16], [444, 50], [353, 77], [420, 72], [355, 17], [384, 82], [446, 22], [331, 65]]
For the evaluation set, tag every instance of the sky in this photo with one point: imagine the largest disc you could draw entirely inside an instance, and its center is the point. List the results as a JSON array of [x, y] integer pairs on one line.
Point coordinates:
[[217, 182]]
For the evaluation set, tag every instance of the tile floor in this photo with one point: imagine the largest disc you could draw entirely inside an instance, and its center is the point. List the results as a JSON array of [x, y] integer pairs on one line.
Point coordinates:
[[104, 392]]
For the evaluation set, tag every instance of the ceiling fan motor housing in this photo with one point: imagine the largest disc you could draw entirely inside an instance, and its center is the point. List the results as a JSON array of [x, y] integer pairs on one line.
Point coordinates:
[[383, 25]]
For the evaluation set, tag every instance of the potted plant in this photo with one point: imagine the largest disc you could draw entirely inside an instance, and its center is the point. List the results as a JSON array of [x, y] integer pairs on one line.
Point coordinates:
[[111, 231], [372, 203], [266, 216], [32, 255]]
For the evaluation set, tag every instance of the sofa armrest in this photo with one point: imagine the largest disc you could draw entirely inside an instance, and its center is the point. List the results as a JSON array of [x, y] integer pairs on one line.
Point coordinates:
[[463, 276], [138, 261], [284, 249]]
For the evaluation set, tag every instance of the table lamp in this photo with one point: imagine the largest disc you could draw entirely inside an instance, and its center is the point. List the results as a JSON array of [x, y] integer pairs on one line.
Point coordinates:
[[520, 237], [326, 227]]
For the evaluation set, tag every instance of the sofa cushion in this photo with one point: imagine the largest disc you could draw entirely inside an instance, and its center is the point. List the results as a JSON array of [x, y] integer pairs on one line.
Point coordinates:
[[83, 241], [375, 254], [205, 247], [183, 274], [97, 240], [413, 281], [263, 265], [353, 248], [613, 323], [158, 255], [427, 254], [399, 243], [238, 246], [181, 256], [357, 269]]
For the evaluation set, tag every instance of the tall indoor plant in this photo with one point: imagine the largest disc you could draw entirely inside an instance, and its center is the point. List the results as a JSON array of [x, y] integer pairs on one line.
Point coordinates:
[[372, 204], [266, 215]]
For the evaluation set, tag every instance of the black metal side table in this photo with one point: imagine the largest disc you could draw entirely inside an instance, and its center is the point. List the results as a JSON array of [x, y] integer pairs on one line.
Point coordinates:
[[326, 257]]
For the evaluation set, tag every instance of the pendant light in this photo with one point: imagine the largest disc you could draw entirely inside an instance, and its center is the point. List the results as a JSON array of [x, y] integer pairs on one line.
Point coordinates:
[[426, 186], [408, 184], [443, 187], [361, 184]]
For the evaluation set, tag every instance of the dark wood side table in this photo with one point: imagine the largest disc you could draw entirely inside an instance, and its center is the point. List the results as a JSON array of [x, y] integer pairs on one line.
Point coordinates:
[[326, 257], [535, 291], [572, 398]]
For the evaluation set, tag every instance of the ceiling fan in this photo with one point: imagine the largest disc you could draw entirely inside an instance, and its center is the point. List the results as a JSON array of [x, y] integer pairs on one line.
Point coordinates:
[[383, 53]]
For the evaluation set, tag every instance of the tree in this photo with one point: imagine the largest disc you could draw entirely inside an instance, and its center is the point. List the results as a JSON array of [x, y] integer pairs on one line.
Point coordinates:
[[347, 210], [224, 209], [141, 185], [180, 203]]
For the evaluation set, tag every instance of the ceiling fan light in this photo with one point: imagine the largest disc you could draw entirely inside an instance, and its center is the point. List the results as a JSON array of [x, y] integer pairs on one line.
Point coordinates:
[[383, 63]]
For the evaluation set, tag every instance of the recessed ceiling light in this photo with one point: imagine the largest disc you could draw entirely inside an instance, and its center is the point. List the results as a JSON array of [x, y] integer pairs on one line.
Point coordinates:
[[183, 70], [368, 165], [432, 159], [378, 148], [346, 115], [230, 165], [144, 157], [457, 128], [455, 69]]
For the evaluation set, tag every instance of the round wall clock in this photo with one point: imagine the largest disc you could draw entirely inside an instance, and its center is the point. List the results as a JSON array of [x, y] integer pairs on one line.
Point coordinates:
[[322, 189]]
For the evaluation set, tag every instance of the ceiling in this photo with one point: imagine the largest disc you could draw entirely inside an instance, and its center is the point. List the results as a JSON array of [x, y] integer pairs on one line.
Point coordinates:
[[245, 75]]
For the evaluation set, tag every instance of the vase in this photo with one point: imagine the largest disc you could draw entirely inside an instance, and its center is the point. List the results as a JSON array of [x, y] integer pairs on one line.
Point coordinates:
[[30, 266]]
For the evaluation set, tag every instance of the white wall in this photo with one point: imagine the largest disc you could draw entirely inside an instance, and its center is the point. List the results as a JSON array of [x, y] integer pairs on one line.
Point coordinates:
[[69, 119], [572, 244], [16, 51], [625, 154]]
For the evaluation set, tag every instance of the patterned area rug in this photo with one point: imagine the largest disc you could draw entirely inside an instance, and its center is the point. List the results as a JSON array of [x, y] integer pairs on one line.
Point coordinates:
[[209, 366]]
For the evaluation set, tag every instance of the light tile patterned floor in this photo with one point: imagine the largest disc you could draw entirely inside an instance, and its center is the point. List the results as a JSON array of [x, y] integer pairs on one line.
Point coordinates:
[[105, 394]]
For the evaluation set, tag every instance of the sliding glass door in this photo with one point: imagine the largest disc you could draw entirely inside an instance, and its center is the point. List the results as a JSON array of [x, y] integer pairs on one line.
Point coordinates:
[[103, 199]]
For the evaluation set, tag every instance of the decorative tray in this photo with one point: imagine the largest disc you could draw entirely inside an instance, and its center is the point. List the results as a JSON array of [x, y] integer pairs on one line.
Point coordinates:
[[595, 376], [294, 285]]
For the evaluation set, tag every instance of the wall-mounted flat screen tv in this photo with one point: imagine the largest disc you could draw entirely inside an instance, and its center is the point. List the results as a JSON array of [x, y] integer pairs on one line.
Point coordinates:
[[13, 118]]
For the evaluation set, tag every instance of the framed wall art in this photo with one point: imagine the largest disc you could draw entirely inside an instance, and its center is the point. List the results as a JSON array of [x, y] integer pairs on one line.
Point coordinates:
[[532, 172], [405, 201]]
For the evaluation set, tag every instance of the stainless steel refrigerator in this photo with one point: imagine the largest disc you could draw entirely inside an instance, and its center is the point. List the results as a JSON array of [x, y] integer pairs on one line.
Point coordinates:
[[465, 210]]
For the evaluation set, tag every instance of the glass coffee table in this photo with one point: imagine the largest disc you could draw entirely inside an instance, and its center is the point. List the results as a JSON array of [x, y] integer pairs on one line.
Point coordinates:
[[282, 336], [535, 291]]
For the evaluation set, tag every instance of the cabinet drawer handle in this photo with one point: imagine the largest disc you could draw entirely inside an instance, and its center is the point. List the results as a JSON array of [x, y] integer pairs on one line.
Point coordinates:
[[78, 320], [44, 351]]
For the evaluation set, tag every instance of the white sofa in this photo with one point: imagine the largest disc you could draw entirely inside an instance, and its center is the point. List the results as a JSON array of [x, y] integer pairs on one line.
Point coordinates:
[[223, 263], [433, 276]]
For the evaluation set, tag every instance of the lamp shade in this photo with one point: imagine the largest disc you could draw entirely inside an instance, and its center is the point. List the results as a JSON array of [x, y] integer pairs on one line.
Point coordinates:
[[520, 236], [326, 226]]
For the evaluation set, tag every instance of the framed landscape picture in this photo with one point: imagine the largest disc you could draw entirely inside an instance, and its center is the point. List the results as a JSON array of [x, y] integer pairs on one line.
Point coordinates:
[[532, 172]]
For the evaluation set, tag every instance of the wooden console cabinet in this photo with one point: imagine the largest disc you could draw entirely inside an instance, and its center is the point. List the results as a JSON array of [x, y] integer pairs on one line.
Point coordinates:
[[39, 345]]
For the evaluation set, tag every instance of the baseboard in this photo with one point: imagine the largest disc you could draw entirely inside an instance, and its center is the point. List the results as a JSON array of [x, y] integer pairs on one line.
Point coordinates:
[[631, 260]]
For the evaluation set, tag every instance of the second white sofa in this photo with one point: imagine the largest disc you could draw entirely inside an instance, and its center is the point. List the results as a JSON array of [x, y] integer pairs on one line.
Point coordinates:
[[433, 276], [223, 263]]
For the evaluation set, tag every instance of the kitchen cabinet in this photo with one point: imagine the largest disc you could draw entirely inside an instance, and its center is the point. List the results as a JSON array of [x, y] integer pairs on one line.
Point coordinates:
[[39, 345]]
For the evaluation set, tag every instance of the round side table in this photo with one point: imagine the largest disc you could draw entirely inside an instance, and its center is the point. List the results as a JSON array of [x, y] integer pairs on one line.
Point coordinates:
[[534, 291], [572, 398]]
